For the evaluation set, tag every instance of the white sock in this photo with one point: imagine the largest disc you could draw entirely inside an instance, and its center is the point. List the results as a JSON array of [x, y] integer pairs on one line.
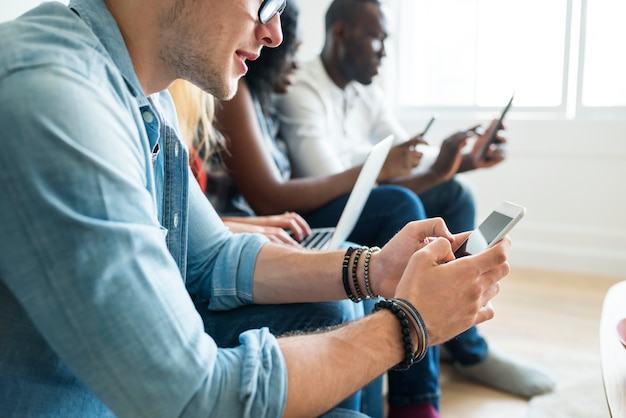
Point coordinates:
[[508, 374]]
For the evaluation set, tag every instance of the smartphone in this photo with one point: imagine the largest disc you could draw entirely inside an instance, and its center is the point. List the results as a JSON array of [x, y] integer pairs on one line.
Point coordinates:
[[491, 139], [492, 229], [428, 125]]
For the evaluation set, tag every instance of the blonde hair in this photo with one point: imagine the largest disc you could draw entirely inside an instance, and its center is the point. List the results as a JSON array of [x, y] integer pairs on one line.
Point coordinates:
[[196, 112]]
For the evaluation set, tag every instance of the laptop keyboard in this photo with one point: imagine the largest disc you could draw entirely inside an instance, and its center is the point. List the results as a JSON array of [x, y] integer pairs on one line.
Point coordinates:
[[318, 238]]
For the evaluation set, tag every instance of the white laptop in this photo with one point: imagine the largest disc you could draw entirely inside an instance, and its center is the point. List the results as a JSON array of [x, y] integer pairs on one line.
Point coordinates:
[[333, 237]]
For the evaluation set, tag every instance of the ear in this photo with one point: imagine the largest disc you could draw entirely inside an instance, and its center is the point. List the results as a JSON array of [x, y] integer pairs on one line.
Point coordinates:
[[339, 31]]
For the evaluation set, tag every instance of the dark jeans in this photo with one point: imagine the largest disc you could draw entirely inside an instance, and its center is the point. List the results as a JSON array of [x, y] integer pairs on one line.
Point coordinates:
[[225, 327]]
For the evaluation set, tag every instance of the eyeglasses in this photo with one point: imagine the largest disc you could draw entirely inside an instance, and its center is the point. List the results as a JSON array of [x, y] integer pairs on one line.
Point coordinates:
[[377, 45], [270, 8]]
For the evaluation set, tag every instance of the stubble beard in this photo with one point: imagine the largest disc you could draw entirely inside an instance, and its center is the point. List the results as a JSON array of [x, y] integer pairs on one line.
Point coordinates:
[[189, 57], [201, 73]]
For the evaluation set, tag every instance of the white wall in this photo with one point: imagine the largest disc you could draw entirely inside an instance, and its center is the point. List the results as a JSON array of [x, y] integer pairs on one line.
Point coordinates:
[[10, 9], [569, 174]]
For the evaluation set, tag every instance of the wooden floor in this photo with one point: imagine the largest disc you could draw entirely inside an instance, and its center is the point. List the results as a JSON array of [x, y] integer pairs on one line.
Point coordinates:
[[551, 319]]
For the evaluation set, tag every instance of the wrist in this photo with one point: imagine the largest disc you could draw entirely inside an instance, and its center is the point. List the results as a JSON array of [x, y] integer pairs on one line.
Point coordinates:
[[356, 273], [413, 336]]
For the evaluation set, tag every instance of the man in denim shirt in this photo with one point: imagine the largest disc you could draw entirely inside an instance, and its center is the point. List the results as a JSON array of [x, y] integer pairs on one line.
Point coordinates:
[[103, 236]]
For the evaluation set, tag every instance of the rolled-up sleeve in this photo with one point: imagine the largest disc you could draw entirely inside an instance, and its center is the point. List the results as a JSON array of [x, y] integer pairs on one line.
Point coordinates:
[[220, 264], [259, 391]]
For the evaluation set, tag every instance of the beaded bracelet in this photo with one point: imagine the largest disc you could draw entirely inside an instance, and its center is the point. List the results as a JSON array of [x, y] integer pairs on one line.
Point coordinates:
[[404, 329], [344, 275], [355, 280], [366, 272], [408, 311], [422, 333]]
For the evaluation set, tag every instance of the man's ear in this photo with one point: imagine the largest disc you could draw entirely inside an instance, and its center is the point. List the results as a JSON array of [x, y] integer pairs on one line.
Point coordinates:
[[339, 31]]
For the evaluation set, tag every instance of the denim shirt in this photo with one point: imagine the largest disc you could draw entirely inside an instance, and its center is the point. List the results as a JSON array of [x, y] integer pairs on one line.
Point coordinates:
[[103, 237]]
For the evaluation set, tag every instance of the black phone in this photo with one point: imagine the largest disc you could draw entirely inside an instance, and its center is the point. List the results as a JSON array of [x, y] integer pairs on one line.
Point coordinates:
[[491, 139], [429, 124], [492, 229]]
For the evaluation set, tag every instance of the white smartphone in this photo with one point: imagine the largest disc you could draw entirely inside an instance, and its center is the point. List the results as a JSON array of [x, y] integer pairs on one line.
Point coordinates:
[[482, 154], [492, 229]]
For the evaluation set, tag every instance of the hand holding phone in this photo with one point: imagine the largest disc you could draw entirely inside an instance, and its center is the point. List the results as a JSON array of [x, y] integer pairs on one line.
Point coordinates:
[[493, 133], [492, 229]]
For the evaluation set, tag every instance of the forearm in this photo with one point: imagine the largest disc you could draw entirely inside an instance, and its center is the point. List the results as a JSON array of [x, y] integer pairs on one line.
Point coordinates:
[[324, 369], [301, 195], [290, 275], [420, 180]]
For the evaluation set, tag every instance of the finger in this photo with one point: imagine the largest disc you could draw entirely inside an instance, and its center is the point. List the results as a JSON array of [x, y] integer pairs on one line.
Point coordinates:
[[459, 239], [284, 238], [434, 227], [417, 139], [491, 292], [439, 249], [492, 262], [415, 161], [485, 313], [297, 225], [303, 227], [306, 228], [473, 130]]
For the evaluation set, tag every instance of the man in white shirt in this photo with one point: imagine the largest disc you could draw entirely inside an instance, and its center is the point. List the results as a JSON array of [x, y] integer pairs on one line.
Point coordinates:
[[331, 117]]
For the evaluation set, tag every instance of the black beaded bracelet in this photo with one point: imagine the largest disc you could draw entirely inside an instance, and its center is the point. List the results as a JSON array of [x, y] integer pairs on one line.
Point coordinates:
[[405, 329], [344, 275]]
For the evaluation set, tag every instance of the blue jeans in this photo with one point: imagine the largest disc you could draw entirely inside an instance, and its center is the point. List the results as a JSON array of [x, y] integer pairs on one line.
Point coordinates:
[[453, 202], [225, 327]]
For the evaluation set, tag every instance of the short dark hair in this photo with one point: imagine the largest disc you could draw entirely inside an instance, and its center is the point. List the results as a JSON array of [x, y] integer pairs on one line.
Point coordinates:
[[263, 73], [344, 11]]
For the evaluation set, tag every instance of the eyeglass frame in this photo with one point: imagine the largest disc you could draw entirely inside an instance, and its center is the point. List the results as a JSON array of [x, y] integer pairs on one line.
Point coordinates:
[[279, 6]]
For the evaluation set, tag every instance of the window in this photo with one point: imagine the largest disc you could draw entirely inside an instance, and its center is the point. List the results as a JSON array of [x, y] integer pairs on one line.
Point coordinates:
[[556, 55], [14, 8], [604, 69]]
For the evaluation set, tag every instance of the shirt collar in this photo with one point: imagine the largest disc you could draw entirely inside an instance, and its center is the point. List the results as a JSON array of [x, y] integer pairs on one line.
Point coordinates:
[[352, 89], [97, 16]]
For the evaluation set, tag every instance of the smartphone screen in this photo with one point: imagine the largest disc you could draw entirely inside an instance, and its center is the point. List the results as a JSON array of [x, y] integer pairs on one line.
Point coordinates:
[[492, 229], [482, 154]]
